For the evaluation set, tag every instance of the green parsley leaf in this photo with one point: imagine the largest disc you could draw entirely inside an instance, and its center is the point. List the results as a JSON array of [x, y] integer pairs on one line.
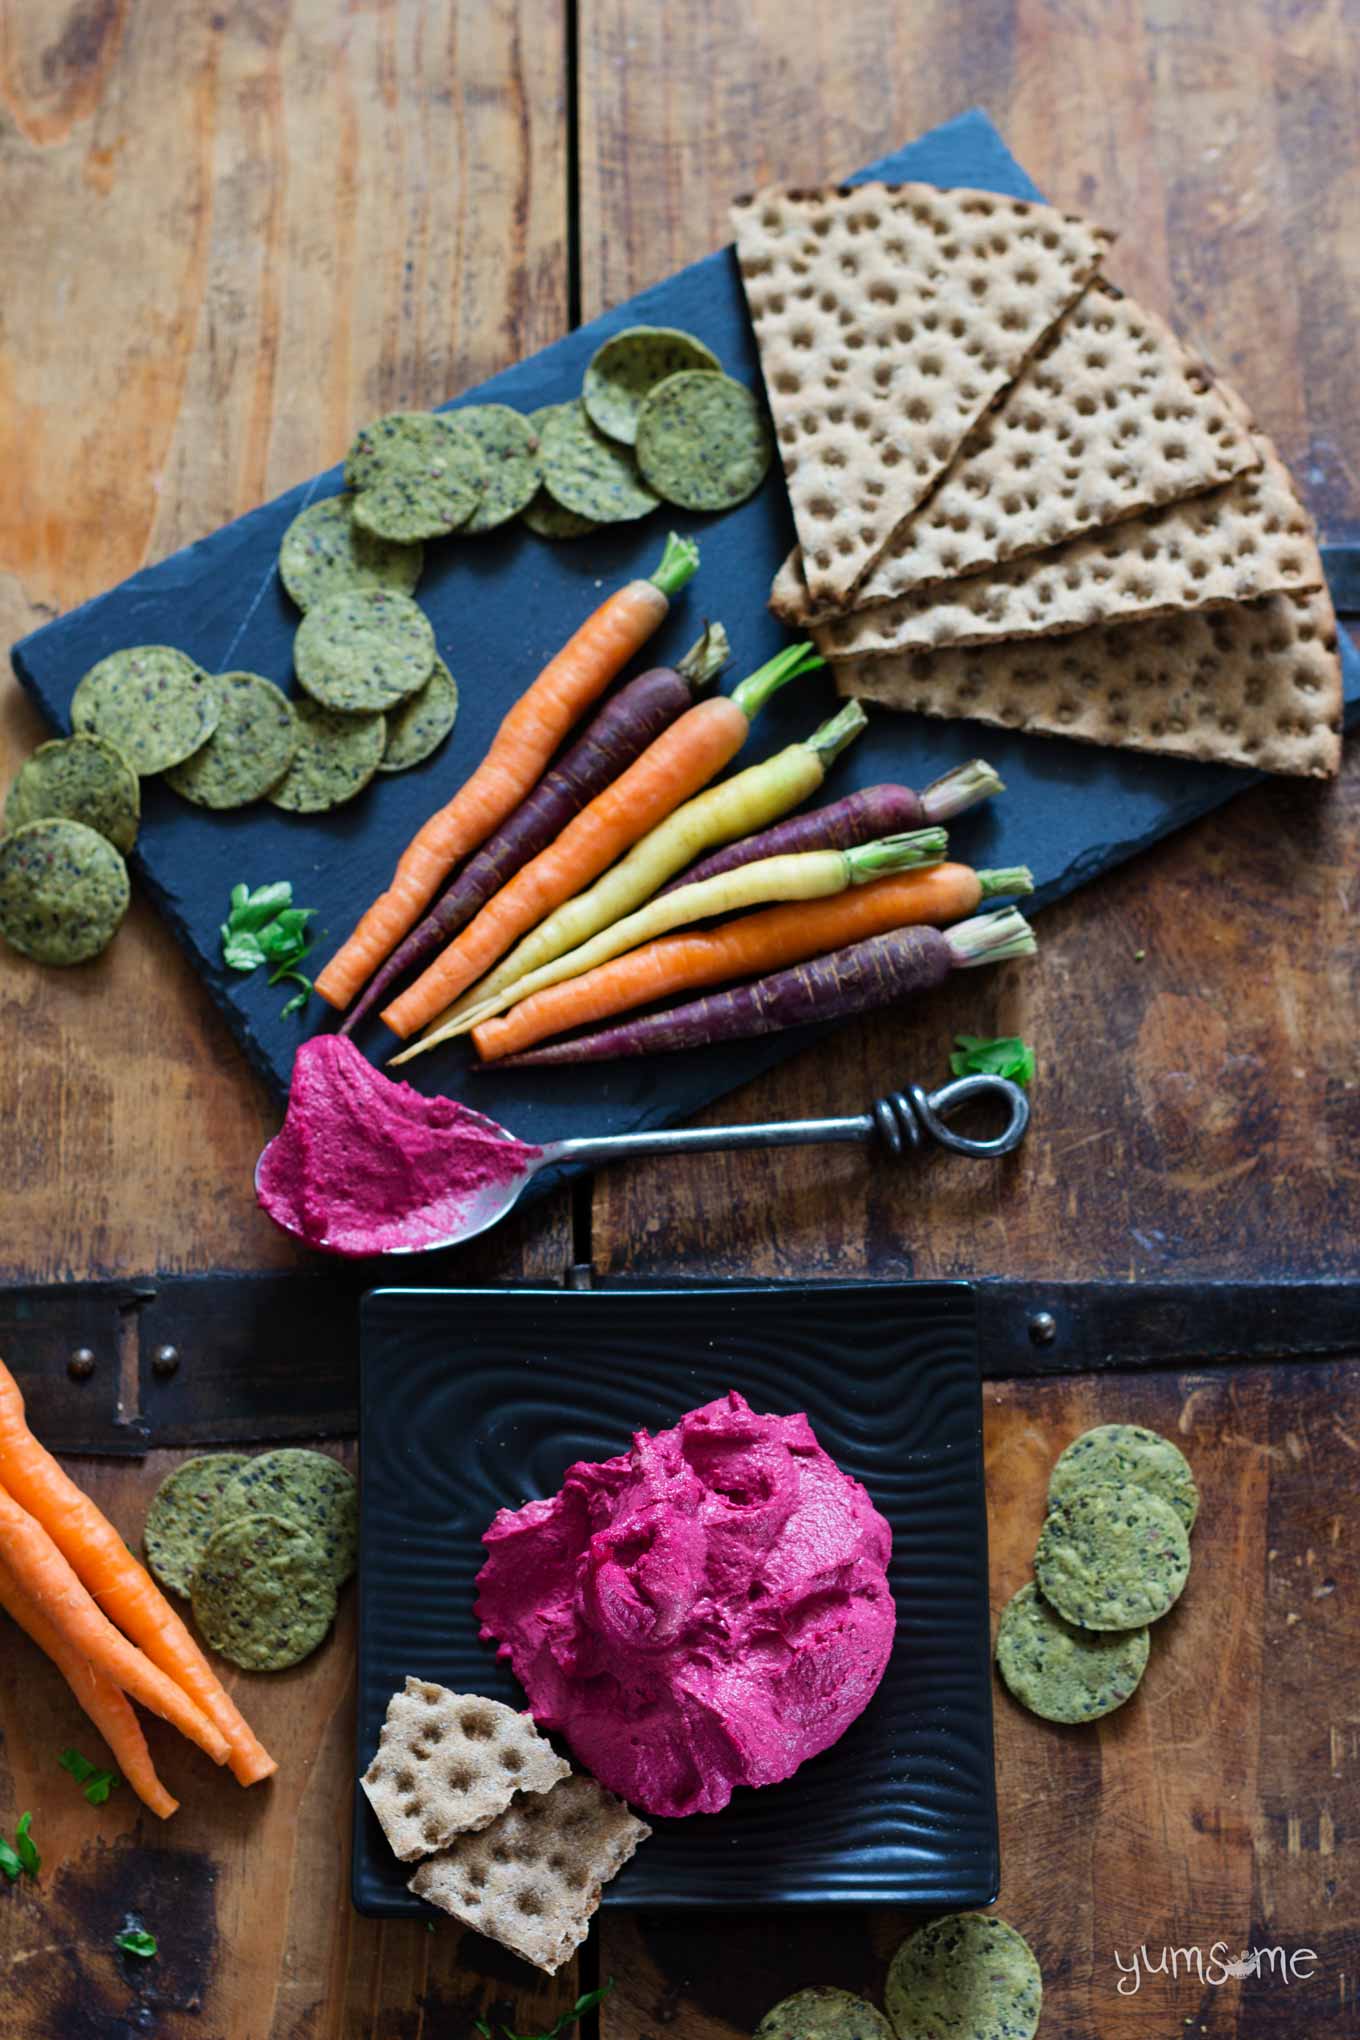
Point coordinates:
[[136, 1941], [579, 2009], [28, 1855], [9, 1862], [483, 2028], [1007, 1056], [264, 927], [98, 1784]]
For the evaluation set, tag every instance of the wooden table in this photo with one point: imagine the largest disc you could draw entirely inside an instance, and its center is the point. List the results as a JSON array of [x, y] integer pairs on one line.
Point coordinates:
[[231, 235]]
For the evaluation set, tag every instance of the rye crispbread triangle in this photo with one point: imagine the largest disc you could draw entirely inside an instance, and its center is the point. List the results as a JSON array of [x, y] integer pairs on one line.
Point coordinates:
[[1257, 684], [1109, 418], [449, 1763], [532, 1880], [1250, 537], [889, 318]]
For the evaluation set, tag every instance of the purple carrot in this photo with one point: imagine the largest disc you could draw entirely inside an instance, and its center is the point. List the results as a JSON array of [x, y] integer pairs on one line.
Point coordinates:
[[859, 818], [629, 721], [856, 979]]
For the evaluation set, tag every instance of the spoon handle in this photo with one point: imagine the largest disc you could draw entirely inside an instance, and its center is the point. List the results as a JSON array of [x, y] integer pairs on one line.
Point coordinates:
[[904, 1120]]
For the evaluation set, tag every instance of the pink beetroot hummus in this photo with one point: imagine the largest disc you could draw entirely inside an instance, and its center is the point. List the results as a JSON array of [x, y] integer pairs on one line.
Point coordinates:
[[366, 1166], [706, 1611]]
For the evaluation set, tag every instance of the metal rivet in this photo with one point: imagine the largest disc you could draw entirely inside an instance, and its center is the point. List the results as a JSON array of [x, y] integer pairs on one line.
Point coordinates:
[[1043, 1328], [80, 1366], [165, 1360]]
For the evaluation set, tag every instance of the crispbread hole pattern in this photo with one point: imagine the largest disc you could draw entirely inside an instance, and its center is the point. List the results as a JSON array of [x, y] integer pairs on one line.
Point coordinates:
[[449, 1763]]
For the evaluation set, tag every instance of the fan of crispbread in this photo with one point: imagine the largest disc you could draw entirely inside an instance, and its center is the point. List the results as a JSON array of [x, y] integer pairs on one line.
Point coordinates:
[[889, 318], [1251, 537], [1110, 417], [532, 1880], [449, 1763], [1256, 684]]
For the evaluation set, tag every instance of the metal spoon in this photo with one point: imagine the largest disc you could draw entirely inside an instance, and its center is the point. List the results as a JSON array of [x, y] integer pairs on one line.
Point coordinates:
[[904, 1121]]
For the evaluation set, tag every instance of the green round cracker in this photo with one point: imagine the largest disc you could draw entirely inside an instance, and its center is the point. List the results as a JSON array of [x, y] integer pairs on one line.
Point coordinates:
[[823, 2013], [1112, 1557], [151, 701], [63, 891], [83, 779], [703, 441], [968, 1977], [417, 473], [1062, 1673], [181, 1517], [543, 516], [628, 364], [509, 447], [364, 649], [1118, 1455], [252, 747], [587, 473], [308, 1489], [336, 757], [419, 726], [262, 1594], [324, 552]]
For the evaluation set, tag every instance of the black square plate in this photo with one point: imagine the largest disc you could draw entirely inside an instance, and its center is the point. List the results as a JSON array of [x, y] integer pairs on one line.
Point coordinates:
[[477, 1398]]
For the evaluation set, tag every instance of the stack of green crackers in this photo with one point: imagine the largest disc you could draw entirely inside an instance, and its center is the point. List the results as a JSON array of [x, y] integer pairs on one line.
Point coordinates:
[[261, 1546], [968, 1976], [1113, 1556]]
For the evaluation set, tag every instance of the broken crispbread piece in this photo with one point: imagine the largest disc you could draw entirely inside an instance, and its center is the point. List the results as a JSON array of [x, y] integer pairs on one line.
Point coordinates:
[[1109, 418], [889, 318], [1257, 684], [449, 1763], [532, 1880], [1251, 537]]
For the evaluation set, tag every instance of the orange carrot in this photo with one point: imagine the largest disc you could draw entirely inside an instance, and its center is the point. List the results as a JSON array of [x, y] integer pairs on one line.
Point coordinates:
[[106, 1704], [123, 1588], [527, 738], [44, 1575], [771, 939], [675, 765]]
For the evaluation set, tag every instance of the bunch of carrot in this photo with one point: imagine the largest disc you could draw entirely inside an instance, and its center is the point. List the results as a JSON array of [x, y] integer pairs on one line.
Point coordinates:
[[579, 881], [68, 1579]]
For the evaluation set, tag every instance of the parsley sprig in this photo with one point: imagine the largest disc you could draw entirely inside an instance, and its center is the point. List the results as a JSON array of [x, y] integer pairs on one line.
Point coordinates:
[[264, 927], [1007, 1056], [578, 2011], [23, 1858], [98, 1784], [136, 1941]]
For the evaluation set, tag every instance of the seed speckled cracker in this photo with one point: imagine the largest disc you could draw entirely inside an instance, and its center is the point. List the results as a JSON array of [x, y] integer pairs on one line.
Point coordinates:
[[364, 649], [152, 701], [308, 1489], [1251, 537], [182, 1515], [508, 444], [1062, 1673], [448, 1764], [63, 891], [418, 726], [1112, 1557], [588, 473], [532, 1880], [822, 2012], [1120, 1454], [80, 779], [627, 366], [1258, 684], [324, 552], [889, 318], [252, 747], [336, 757], [1112, 416], [416, 475], [261, 1593], [967, 1977], [703, 441]]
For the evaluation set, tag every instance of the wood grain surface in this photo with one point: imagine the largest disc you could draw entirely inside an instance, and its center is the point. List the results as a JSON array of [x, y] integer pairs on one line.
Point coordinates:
[[229, 235]]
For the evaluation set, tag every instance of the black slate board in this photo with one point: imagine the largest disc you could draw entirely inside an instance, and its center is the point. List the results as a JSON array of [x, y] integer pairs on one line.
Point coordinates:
[[500, 606], [477, 1399]]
